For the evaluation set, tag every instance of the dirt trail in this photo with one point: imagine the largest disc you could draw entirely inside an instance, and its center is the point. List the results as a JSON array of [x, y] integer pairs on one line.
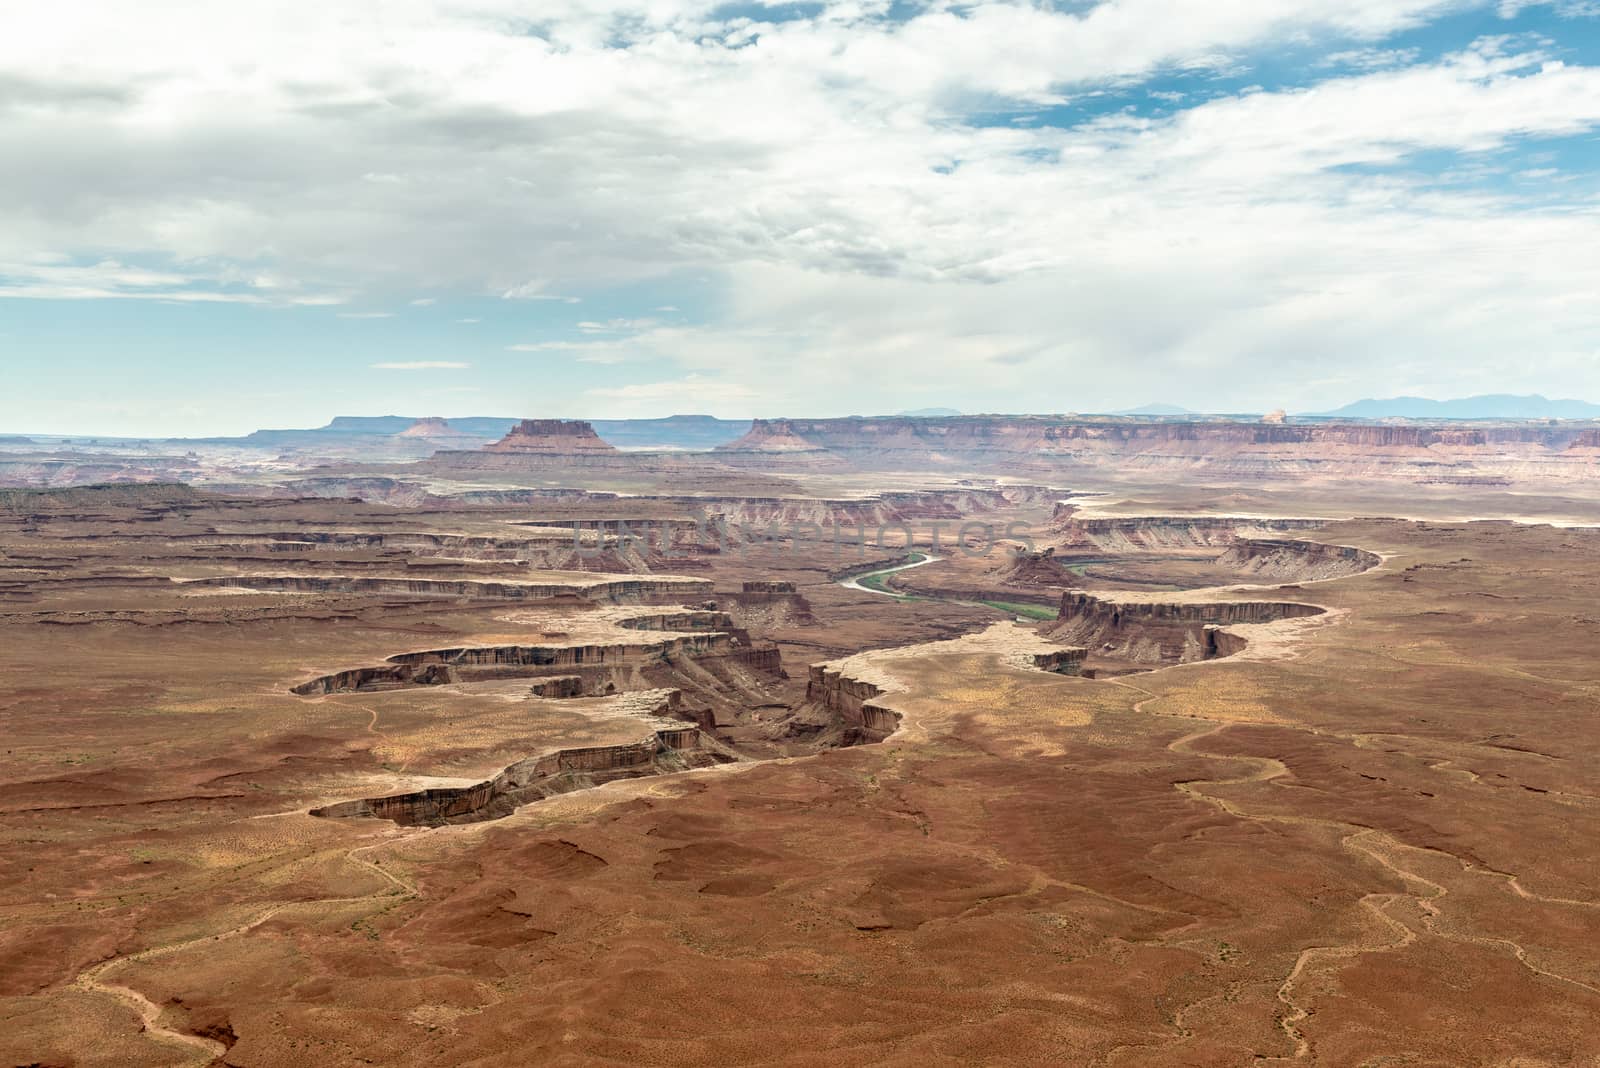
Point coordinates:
[[207, 1050], [1377, 846]]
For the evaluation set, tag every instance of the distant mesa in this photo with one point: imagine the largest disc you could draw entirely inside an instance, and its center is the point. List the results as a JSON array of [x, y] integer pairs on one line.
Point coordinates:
[[771, 435], [552, 436], [680, 432], [1277, 417], [776, 444], [537, 445], [436, 429]]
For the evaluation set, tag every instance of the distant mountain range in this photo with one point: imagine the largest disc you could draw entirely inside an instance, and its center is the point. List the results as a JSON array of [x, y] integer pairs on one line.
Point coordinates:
[[929, 413], [1487, 406], [697, 432], [1156, 409]]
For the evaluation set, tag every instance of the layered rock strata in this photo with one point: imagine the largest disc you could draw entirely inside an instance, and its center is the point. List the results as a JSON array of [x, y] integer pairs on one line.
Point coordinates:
[[1163, 632], [669, 747]]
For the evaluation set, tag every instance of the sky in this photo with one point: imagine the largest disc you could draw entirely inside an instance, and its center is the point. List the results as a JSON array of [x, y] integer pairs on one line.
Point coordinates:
[[220, 217]]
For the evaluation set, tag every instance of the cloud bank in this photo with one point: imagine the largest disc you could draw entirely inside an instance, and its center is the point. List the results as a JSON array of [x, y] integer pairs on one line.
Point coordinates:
[[1009, 206]]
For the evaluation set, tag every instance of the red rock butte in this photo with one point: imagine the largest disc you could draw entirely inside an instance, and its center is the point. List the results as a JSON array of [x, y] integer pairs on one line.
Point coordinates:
[[771, 435], [552, 436]]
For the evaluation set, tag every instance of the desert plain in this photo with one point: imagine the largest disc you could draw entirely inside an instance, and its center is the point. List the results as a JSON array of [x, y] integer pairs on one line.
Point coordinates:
[[1193, 750]]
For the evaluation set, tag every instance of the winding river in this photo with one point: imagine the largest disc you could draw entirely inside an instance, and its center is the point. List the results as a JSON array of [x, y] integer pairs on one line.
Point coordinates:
[[873, 582], [859, 582]]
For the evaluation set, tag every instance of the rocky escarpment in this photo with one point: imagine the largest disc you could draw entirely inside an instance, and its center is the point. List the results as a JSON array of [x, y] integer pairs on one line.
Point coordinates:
[[860, 516], [608, 591], [587, 546], [383, 677], [558, 436], [845, 698], [1291, 560], [1411, 453], [849, 701], [1038, 568], [669, 747], [773, 444], [1163, 633], [766, 604], [1068, 660], [604, 660], [558, 687], [536, 443], [432, 667], [590, 655], [768, 586], [1164, 533]]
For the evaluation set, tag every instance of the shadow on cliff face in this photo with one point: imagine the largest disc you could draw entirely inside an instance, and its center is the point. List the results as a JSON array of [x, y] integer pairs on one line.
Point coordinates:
[[723, 697], [719, 696], [666, 747], [1152, 634]]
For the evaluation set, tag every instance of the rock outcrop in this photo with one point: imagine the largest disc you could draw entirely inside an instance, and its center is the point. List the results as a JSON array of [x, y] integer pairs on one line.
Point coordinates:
[[1291, 560], [606, 591], [1164, 533], [669, 747], [1036, 569], [773, 444], [1160, 448], [1163, 632], [561, 437], [702, 650], [850, 701]]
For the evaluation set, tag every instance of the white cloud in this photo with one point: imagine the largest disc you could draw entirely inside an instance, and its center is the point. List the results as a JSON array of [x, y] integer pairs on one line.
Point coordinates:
[[696, 391], [51, 276], [820, 183], [366, 315], [421, 365], [1371, 58], [616, 326], [603, 352], [535, 290], [424, 302]]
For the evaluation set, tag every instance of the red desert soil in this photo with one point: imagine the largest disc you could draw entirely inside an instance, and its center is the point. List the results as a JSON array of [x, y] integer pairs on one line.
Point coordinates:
[[1367, 836]]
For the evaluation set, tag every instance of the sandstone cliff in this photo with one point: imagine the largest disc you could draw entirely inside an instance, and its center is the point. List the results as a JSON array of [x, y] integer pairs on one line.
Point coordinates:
[[1163, 632], [560, 436], [668, 747], [1290, 560], [1239, 450]]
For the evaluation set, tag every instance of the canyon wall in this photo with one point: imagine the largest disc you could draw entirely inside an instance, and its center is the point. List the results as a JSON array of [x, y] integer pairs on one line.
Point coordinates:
[[1163, 632], [557, 436], [850, 702], [1293, 560], [670, 748], [1224, 449], [611, 591], [1163, 533]]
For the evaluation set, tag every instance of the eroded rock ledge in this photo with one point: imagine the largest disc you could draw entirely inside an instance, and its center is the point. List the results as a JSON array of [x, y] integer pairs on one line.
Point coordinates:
[[622, 590], [1164, 632], [670, 746], [1165, 532], [1297, 560]]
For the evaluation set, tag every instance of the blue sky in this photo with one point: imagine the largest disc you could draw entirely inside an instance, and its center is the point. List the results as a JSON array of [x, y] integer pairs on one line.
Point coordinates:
[[278, 213]]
